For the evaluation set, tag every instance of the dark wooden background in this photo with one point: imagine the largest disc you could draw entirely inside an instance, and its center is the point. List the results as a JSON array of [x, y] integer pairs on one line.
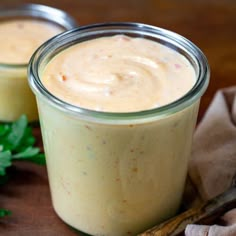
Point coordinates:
[[210, 24]]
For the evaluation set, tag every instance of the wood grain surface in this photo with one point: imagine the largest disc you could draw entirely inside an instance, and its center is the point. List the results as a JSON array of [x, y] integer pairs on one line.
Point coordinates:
[[210, 24]]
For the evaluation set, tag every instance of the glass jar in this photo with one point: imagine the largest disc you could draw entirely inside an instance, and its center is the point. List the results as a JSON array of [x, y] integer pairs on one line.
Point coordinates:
[[117, 173], [16, 97]]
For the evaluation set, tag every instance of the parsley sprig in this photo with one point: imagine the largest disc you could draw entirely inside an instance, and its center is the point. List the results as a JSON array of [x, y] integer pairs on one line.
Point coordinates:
[[17, 143]]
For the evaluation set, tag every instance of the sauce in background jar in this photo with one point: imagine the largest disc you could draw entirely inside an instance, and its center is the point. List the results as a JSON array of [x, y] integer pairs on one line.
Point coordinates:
[[23, 28]]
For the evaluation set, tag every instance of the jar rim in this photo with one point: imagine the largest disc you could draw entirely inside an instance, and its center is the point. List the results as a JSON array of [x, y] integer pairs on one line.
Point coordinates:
[[67, 39], [39, 11]]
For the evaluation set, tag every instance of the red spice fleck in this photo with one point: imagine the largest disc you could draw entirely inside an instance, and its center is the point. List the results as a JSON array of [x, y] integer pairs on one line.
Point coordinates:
[[177, 66], [131, 150], [88, 127], [135, 169], [119, 76], [124, 201], [20, 26], [129, 233], [64, 78], [118, 179], [131, 126]]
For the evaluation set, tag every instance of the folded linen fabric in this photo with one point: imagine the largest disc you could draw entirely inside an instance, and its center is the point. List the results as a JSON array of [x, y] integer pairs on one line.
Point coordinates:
[[212, 168]]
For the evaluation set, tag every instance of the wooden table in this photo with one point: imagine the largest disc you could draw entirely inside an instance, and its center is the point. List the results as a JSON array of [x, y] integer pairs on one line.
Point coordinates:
[[210, 24]]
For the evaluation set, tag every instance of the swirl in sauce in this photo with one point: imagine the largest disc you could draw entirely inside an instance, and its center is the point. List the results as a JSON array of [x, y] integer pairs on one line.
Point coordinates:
[[119, 74]]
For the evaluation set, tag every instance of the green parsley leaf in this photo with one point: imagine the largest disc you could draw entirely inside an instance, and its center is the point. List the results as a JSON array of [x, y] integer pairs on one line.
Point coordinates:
[[5, 161], [28, 152], [15, 134], [27, 140], [17, 143], [19, 140], [38, 159], [31, 154], [4, 212], [4, 129]]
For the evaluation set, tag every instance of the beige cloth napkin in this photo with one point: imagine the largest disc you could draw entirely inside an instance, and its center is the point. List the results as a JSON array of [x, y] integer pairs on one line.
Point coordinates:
[[212, 168]]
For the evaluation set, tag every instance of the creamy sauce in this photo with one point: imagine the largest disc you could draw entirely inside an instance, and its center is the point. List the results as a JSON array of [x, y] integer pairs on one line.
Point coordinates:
[[119, 74], [111, 179], [20, 38], [116, 180]]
